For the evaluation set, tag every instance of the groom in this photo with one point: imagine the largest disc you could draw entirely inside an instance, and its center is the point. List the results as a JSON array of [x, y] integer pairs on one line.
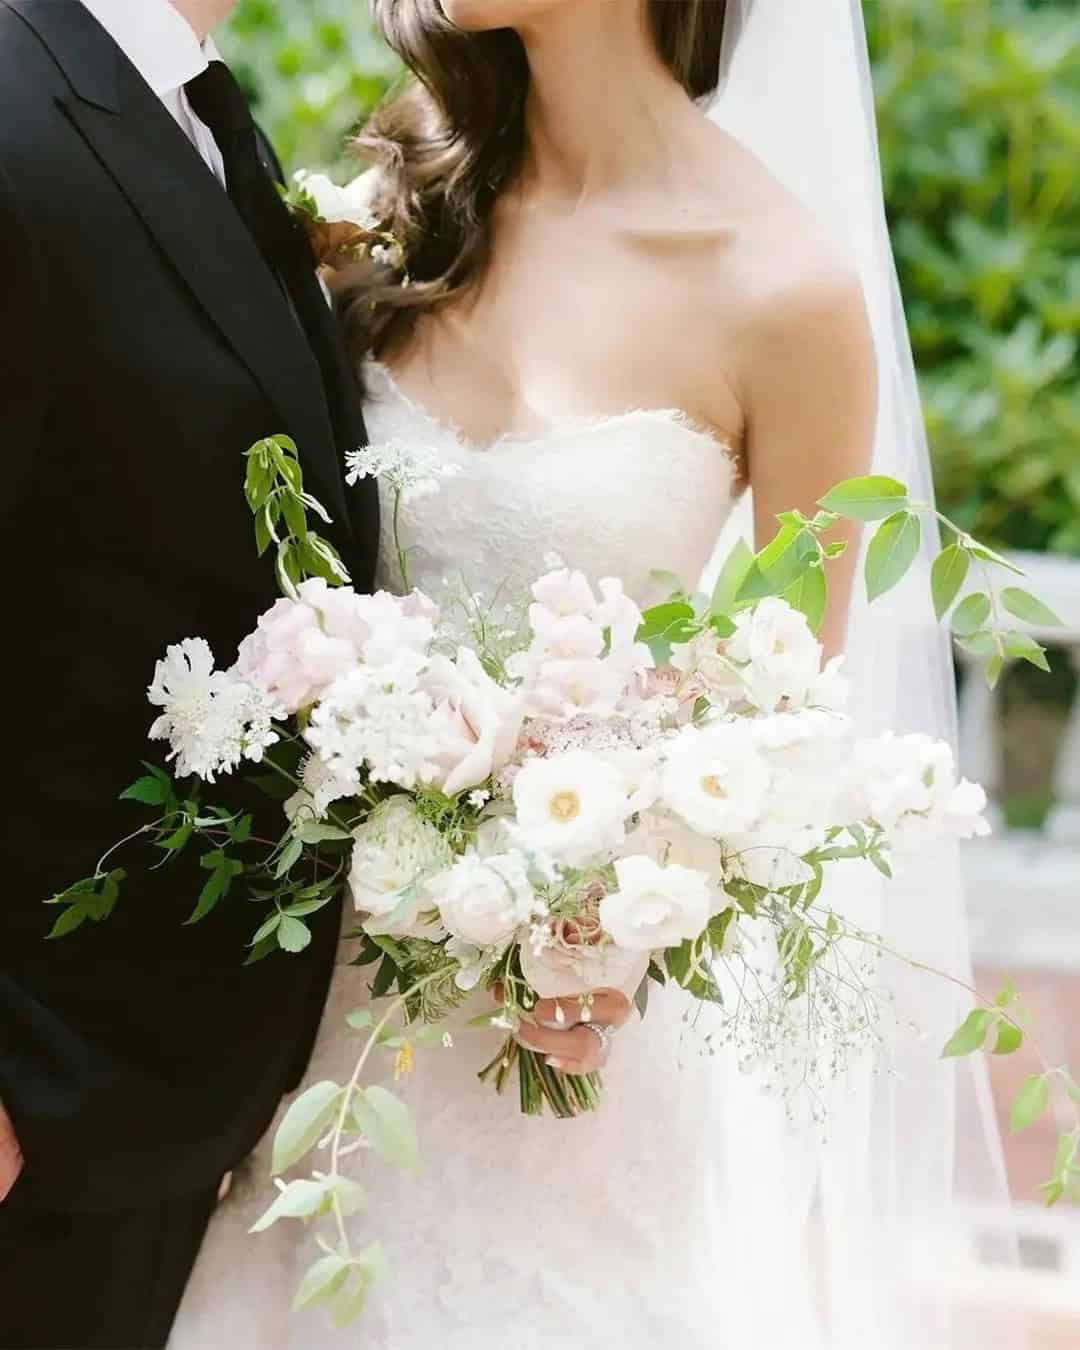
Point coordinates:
[[158, 314]]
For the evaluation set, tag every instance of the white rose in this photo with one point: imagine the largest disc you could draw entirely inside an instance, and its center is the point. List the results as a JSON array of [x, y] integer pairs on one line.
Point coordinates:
[[772, 855], [716, 779], [778, 653], [705, 660], [808, 752], [335, 204], [572, 806], [475, 723], [655, 906], [568, 957], [394, 853], [484, 901]]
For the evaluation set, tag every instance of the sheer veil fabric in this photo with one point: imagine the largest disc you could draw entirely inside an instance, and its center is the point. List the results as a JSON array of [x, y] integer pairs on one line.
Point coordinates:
[[872, 1215]]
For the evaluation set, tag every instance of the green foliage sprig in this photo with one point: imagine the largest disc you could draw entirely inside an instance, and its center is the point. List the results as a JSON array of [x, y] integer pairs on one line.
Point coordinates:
[[274, 488]]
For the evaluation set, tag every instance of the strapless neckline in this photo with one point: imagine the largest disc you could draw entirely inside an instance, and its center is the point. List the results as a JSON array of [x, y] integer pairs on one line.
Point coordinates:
[[380, 378]]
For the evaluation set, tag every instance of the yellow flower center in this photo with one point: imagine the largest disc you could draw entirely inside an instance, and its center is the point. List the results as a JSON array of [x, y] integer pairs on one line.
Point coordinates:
[[712, 786], [565, 806]]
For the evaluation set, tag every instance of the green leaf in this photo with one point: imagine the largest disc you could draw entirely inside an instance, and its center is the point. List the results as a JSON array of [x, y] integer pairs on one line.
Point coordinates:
[[265, 930], [72, 918], [349, 1302], [971, 1035], [870, 498], [313, 833], [892, 551], [386, 1122], [218, 886], [1031, 1102], [810, 595], [321, 1282], [304, 1123], [299, 908], [947, 576], [1020, 647], [1029, 608], [359, 1019], [290, 855], [1009, 1039], [299, 1200], [1007, 995], [994, 667], [732, 575], [148, 791], [293, 934], [970, 615]]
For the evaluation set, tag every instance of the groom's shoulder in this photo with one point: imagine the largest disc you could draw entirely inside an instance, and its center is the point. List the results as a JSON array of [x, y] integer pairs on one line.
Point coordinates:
[[28, 70]]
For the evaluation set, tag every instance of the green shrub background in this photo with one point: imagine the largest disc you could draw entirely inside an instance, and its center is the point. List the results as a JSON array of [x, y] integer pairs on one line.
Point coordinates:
[[979, 108]]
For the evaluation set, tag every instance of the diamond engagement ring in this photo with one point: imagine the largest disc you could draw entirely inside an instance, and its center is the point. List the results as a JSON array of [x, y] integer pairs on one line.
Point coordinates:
[[605, 1035]]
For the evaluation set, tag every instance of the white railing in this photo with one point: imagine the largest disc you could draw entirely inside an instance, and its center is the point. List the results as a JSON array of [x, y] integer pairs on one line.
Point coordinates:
[[1042, 867]]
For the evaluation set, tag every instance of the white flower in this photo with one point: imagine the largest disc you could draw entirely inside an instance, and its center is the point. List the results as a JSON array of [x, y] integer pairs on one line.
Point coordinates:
[[772, 856], [564, 958], [778, 653], [715, 778], [655, 906], [484, 901], [411, 470], [808, 752], [387, 255], [831, 689], [319, 788], [908, 785], [561, 594], [704, 658], [378, 718], [566, 689], [394, 853], [399, 630], [573, 806], [474, 721], [335, 204], [211, 719]]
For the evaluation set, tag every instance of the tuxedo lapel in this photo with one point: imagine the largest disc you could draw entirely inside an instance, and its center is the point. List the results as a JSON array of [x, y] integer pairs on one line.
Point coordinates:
[[196, 226]]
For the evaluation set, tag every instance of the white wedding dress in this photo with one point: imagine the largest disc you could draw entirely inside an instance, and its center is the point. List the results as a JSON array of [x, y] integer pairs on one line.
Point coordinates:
[[594, 1234]]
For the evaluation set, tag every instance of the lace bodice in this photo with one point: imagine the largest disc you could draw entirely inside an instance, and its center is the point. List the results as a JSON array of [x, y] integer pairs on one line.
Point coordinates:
[[614, 496], [587, 1234]]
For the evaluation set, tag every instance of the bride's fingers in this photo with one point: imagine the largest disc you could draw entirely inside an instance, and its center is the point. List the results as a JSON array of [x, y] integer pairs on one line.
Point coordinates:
[[578, 1046], [607, 1008]]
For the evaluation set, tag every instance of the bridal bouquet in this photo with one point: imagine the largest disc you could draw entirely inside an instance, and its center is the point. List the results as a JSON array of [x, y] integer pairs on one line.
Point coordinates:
[[565, 796]]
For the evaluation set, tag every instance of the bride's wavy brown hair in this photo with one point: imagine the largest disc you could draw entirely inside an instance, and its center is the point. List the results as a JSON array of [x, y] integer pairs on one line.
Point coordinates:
[[445, 147]]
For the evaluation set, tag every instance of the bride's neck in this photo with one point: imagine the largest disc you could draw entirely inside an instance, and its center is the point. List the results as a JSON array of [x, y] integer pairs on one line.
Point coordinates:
[[601, 101]]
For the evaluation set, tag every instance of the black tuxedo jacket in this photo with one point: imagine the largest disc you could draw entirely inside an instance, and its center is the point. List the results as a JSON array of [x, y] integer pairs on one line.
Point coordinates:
[[144, 346]]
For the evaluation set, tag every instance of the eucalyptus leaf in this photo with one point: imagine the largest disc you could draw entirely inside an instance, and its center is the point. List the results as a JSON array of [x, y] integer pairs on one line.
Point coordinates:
[[892, 550], [1031, 1102], [1029, 608], [387, 1123], [947, 576], [299, 1200], [869, 498], [304, 1123]]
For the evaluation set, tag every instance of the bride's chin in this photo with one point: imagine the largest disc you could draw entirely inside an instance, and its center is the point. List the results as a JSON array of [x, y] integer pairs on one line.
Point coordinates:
[[482, 16]]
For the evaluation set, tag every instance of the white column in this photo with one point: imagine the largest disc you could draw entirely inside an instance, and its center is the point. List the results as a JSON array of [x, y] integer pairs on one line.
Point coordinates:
[[1063, 824]]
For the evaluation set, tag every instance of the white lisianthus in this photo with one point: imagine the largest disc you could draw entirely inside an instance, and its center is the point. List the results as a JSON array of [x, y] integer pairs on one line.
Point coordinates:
[[908, 785], [565, 957], [572, 806], [715, 778], [346, 205], [484, 901], [779, 657], [655, 906], [474, 723], [211, 718], [395, 852]]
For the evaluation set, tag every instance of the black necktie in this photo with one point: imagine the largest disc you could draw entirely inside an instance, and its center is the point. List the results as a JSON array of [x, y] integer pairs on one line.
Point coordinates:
[[218, 100]]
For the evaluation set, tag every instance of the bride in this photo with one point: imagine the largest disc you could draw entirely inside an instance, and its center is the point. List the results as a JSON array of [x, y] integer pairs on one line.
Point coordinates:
[[617, 318]]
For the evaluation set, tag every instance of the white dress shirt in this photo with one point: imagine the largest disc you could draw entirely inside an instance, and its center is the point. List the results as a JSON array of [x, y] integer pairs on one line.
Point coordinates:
[[165, 50]]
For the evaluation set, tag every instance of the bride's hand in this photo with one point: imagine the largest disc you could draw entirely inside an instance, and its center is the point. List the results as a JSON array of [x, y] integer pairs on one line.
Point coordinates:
[[563, 1036], [11, 1159]]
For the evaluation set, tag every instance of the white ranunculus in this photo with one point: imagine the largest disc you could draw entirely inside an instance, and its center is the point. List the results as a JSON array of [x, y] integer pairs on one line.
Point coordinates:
[[655, 906], [349, 204], [395, 852], [475, 722], [715, 778], [566, 958], [571, 807], [778, 653], [484, 901], [908, 785]]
